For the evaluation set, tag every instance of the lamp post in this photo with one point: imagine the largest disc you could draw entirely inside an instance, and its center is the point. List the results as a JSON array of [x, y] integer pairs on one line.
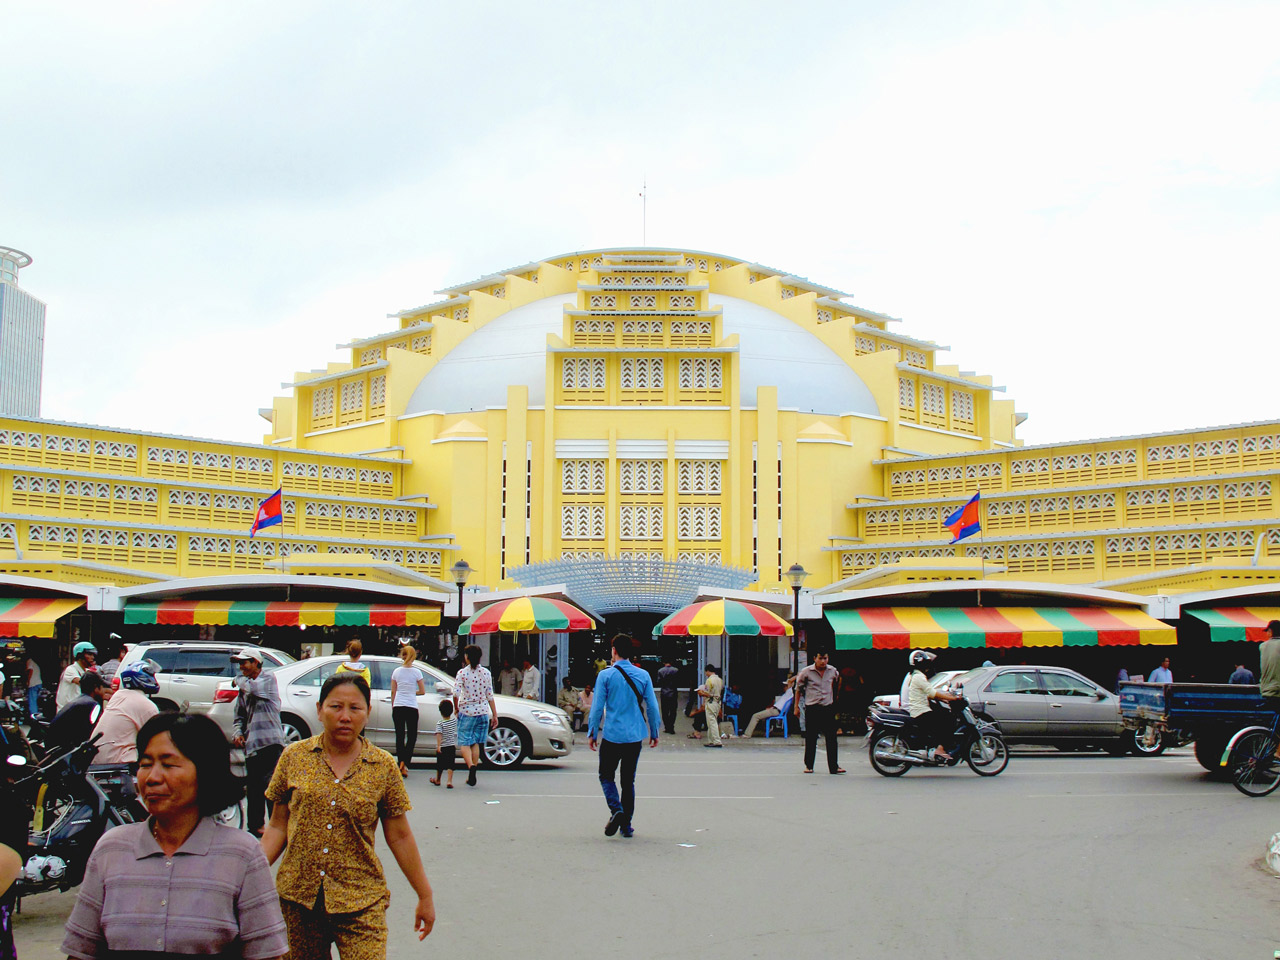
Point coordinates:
[[796, 575], [460, 570]]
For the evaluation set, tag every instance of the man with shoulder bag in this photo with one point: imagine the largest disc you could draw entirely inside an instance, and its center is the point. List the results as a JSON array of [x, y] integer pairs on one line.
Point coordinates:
[[623, 711]]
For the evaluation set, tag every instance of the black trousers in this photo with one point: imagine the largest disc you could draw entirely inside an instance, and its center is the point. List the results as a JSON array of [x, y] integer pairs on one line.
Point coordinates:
[[406, 721], [258, 768], [820, 718], [611, 756], [669, 706]]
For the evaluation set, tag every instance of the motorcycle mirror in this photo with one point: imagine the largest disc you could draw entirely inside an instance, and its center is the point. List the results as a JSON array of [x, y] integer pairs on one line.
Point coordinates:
[[16, 760], [95, 713], [444, 689]]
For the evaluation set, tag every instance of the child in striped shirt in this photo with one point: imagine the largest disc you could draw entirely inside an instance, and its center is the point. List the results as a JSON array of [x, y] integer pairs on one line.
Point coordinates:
[[446, 743]]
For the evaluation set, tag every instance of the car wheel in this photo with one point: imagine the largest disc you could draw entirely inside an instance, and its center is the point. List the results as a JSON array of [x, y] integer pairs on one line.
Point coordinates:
[[507, 746], [1209, 753], [1148, 741], [295, 728]]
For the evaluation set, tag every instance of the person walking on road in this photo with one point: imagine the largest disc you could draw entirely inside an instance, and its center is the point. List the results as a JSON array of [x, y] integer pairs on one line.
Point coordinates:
[[623, 711], [353, 663], [477, 711], [256, 727], [330, 793], [670, 695], [817, 685], [181, 884], [713, 690], [407, 686]]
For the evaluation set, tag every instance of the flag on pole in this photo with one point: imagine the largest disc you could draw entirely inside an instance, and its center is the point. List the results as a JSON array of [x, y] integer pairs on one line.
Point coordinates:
[[269, 513], [964, 522]]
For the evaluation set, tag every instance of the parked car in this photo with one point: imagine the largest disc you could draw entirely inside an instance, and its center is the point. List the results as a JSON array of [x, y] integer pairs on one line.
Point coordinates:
[[1050, 705], [190, 671], [527, 729]]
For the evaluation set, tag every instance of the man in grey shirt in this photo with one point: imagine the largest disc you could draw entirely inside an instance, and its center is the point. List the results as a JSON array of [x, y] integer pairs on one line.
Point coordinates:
[[258, 730], [817, 685]]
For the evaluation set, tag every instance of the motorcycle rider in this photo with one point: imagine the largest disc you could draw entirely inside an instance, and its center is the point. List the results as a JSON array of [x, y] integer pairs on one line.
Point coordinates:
[[71, 726], [125, 713], [919, 694], [83, 656]]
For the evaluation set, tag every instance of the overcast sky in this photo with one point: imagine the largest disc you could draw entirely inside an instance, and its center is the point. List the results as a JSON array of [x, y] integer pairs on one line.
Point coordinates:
[[1081, 199]]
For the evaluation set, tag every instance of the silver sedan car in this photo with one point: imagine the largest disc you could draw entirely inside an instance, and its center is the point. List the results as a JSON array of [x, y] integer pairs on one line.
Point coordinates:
[[1050, 705], [527, 729]]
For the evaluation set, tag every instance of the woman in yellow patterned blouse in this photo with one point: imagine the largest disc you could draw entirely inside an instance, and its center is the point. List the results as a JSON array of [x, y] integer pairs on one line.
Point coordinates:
[[329, 793]]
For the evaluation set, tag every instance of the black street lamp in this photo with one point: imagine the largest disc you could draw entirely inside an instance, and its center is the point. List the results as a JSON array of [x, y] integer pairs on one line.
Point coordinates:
[[460, 570], [796, 575]]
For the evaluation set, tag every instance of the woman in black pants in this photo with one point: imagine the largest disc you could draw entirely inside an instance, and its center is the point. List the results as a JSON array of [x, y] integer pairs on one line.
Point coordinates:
[[406, 687]]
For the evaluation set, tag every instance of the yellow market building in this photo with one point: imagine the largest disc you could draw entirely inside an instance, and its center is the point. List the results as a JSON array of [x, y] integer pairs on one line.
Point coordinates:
[[632, 428]]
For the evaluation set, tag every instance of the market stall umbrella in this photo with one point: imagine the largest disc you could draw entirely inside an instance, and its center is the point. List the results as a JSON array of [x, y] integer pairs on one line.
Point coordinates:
[[717, 617], [527, 615]]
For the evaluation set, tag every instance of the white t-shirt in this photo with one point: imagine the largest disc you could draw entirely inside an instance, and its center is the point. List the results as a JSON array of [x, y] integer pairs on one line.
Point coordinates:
[[406, 680], [69, 685], [918, 690], [34, 667]]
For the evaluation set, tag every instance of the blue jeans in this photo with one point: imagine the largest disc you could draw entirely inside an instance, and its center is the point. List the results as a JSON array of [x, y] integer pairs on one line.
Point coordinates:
[[33, 700]]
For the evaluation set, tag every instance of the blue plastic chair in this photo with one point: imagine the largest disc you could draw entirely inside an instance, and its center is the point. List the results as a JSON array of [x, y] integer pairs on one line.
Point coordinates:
[[780, 718]]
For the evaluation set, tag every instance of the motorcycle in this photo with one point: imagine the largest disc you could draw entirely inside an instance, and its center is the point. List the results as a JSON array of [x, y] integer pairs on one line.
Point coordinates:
[[895, 746], [71, 803]]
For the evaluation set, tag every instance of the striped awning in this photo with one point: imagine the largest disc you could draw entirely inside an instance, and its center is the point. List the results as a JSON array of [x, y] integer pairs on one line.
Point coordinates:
[[902, 628], [1236, 623], [251, 613], [31, 617]]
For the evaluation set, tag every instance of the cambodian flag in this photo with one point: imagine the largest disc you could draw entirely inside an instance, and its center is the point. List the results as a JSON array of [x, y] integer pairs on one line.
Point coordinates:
[[269, 513], [964, 522]]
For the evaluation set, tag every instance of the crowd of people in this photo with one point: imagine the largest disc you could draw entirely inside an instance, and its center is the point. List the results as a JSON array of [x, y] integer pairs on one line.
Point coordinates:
[[184, 883]]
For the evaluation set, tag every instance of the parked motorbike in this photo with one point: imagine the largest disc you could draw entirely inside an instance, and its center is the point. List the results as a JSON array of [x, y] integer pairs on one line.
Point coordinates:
[[70, 803], [895, 746]]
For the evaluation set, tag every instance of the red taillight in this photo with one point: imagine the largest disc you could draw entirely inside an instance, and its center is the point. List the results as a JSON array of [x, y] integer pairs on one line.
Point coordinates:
[[225, 696]]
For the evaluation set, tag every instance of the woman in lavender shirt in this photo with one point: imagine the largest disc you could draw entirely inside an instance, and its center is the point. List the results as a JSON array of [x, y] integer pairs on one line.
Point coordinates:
[[180, 883]]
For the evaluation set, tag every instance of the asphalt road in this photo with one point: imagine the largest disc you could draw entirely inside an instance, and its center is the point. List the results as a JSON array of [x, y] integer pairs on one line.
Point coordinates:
[[738, 854]]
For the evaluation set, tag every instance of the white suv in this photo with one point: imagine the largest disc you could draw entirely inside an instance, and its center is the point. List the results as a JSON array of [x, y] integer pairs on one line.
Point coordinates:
[[189, 671]]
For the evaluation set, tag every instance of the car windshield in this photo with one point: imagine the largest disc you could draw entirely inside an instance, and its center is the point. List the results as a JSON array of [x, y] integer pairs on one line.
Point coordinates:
[[964, 678]]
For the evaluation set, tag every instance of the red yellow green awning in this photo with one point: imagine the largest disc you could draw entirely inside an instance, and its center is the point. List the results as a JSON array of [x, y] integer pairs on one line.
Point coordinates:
[[902, 628], [1237, 623], [34, 617], [252, 613]]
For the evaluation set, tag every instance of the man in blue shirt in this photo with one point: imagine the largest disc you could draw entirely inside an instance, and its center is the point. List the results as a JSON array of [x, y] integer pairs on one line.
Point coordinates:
[[1162, 673], [623, 711]]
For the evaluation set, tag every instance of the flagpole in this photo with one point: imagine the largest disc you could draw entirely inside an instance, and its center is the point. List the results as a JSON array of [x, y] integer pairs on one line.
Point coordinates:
[[982, 544]]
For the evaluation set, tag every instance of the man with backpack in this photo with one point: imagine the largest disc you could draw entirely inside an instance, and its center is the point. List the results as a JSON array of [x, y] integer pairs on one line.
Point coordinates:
[[623, 711]]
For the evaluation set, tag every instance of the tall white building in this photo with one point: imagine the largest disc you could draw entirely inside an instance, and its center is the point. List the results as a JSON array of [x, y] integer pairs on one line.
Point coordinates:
[[21, 340]]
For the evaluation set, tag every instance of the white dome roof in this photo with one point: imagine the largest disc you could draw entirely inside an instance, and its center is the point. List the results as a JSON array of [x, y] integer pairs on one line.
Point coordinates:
[[512, 350]]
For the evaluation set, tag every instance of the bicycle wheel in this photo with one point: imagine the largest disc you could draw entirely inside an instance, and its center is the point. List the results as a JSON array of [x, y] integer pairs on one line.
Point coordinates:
[[1254, 768]]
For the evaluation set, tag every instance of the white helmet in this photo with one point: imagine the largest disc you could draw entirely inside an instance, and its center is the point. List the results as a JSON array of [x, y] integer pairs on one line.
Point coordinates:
[[921, 658]]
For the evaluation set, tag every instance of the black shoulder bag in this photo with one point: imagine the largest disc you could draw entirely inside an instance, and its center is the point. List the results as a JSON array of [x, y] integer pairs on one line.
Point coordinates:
[[636, 690]]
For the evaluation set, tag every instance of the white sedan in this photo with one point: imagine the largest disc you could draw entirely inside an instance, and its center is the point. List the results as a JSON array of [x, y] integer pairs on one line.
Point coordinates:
[[527, 729]]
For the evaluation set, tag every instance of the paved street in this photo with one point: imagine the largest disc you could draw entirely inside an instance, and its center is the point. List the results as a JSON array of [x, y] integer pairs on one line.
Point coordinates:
[[738, 855]]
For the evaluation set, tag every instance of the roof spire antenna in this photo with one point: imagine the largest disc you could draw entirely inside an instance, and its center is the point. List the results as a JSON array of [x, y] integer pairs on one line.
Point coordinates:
[[644, 212]]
